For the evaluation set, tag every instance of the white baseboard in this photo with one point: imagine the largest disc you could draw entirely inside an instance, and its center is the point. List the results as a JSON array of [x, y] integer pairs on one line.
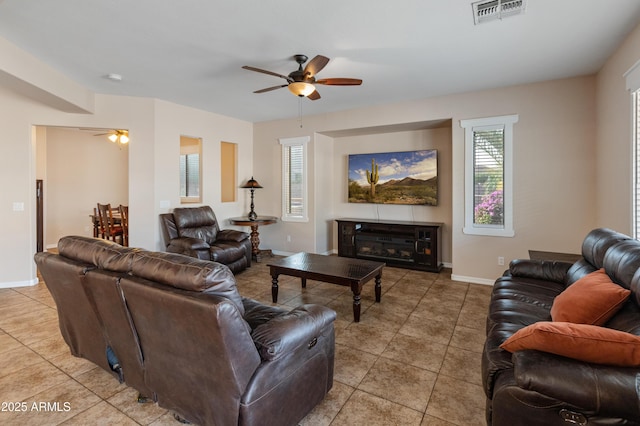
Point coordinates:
[[19, 283], [472, 280]]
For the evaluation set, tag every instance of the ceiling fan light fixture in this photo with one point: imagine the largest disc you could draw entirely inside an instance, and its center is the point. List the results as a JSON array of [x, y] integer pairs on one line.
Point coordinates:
[[120, 136], [301, 82], [302, 89]]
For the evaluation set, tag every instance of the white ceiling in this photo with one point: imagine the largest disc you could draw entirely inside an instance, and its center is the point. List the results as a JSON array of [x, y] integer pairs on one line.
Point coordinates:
[[191, 51]]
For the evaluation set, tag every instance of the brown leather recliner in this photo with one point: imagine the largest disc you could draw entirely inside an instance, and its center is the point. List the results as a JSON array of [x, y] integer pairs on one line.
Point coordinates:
[[195, 232], [176, 329]]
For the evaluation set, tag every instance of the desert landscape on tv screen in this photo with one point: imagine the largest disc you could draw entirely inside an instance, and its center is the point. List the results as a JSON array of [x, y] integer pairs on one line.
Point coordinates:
[[408, 177]]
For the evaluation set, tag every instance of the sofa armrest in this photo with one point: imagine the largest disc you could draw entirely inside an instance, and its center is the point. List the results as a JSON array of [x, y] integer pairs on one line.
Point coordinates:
[[540, 269], [599, 388], [287, 332], [189, 246], [232, 235], [256, 313]]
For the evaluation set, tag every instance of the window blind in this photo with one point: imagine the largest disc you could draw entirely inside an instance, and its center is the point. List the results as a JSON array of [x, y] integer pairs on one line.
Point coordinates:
[[488, 176], [190, 175], [293, 186], [636, 166]]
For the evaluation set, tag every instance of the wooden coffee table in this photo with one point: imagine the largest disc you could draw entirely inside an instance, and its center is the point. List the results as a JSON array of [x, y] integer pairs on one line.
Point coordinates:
[[344, 271]]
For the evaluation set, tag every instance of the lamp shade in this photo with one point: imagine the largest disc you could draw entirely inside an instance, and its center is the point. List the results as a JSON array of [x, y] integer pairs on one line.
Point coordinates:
[[300, 88], [251, 183]]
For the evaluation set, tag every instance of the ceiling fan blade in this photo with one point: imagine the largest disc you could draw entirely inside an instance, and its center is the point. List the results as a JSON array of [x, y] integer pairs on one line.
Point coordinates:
[[314, 96], [247, 67], [340, 81], [315, 66], [268, 89], [94, 129]]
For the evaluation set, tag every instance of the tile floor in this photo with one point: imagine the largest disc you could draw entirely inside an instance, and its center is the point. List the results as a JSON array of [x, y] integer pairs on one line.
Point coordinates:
[[414, 358]]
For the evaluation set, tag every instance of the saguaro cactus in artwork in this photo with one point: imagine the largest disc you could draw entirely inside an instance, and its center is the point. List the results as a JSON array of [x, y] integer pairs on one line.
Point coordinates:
[[372, 177]]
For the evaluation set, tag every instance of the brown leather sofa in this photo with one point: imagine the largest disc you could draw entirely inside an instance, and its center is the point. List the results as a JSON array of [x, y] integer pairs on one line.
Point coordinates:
[[195, 232], [176, 329], [535, 387]]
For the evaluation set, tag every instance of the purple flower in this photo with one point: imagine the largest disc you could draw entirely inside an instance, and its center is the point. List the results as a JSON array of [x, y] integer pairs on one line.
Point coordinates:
[[490, 209]]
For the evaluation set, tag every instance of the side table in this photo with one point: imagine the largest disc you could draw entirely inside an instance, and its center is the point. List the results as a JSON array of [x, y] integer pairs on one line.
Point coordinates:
[[255, 236]]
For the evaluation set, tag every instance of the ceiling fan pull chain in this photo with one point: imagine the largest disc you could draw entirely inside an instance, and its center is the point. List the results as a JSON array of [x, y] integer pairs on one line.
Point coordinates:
[[300, 111]]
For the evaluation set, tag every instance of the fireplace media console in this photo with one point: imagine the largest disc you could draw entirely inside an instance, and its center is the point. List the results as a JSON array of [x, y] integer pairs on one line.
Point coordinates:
[[413, 245]]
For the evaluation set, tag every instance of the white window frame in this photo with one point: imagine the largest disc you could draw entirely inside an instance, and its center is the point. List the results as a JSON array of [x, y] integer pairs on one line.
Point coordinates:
[[287, 143], [632, 79], [505, 122], [189, 150], [635, 167]]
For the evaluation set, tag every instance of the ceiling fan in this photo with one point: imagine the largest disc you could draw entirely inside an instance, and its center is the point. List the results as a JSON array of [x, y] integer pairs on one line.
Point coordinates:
[[119, 136], [301, 81]]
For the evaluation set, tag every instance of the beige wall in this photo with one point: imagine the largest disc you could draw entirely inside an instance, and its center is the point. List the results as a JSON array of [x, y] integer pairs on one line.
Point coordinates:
[[154, 127], [614, 165], [571, 159], [554, 161], [172, 121]]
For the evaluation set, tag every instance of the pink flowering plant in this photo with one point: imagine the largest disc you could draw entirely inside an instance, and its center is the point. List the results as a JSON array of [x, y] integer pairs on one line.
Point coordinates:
[[490, 211]]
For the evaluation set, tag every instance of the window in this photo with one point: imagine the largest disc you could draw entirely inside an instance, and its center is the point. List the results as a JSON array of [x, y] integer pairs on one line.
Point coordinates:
[[294, 179], [488, 176], [190, 170]]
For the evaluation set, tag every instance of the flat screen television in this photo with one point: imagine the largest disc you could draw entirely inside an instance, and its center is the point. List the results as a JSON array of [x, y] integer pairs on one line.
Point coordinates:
[[406, 177]]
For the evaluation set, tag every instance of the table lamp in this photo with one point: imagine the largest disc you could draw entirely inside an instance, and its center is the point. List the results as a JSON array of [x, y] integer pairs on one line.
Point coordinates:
[[252, 184]]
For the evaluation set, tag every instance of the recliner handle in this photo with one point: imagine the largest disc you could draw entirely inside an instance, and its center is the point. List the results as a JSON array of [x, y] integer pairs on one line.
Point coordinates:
[[573, 417]]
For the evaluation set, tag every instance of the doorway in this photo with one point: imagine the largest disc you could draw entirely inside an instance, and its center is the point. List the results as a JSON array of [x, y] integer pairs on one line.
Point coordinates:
[[81, 168]]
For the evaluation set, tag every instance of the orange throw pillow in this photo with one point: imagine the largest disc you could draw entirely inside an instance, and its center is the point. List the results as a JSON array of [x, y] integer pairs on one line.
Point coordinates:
[[593, 299], [583, 342]]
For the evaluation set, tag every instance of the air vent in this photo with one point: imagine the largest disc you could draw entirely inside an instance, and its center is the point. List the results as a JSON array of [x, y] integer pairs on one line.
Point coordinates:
[[485, 11]]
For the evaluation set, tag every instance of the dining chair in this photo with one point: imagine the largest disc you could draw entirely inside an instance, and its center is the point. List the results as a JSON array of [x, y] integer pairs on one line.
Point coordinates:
[[108, 227], [97, 228], [124, 217]]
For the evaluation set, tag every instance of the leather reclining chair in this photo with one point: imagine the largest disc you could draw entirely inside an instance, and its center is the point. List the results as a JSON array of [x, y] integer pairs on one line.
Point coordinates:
[[177, 330], [195, 232]]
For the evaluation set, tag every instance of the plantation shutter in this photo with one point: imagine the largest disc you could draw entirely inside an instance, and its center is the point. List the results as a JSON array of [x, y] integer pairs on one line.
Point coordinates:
[[293, 186], [190, 175], [632, 80], [488, 177], [636, 203]]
